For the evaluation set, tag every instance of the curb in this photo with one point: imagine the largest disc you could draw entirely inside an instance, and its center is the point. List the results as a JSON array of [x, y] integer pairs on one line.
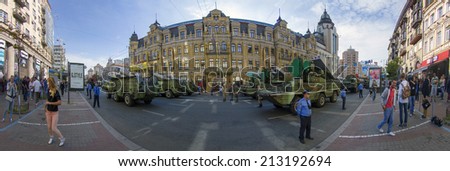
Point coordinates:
[[118, 136], [327, 142]]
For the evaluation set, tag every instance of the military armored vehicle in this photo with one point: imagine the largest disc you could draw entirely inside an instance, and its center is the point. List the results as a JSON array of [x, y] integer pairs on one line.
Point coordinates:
[[351, 83], [165, 86], [129, 89], [286, 86]]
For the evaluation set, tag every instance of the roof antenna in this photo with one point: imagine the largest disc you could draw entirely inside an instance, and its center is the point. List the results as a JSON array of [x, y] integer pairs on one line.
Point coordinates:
[[134, 29], [215, 2], [279, 12]]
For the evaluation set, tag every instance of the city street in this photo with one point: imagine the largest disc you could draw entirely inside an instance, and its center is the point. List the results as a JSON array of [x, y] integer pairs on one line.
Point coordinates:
[[204, 122]]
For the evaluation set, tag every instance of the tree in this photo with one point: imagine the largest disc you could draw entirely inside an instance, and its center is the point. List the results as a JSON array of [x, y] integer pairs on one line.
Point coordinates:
[[392, 68]]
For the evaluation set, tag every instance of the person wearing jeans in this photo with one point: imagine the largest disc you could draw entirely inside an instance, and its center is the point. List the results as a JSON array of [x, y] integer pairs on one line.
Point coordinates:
[[412, 99], [403, 102], [11, 92], [388, 104], [96, 95]]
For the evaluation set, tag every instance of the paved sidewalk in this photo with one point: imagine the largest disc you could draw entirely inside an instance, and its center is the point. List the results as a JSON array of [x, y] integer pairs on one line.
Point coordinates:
[[360, 133], [80, 124]]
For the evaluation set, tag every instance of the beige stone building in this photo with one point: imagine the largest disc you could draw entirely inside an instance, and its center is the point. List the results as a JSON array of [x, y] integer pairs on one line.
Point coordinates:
[[227, 46], [26, 37], [350, 61]]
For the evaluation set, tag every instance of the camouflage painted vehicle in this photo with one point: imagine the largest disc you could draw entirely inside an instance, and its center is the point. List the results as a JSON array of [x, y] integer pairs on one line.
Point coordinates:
[[129, 89], [250, 87], [165, 86], [188, 87], [285, 88], [351, 83]]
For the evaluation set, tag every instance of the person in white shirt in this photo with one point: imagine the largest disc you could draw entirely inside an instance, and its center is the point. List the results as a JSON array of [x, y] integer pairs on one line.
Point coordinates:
[[403, 102], [37, 90]]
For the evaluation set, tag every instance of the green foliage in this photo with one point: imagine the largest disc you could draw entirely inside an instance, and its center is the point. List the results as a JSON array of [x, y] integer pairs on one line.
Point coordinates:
[[392, 68]]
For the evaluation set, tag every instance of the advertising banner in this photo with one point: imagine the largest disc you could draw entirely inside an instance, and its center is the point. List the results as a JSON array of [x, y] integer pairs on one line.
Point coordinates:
[[76, 76], [374, 75], [2, 57]]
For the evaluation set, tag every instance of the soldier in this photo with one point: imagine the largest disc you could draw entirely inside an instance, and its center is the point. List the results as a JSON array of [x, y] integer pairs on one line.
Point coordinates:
[[259, 96]]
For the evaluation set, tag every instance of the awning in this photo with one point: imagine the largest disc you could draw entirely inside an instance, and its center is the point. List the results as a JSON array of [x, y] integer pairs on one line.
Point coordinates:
[[435, 59], [420, 70]]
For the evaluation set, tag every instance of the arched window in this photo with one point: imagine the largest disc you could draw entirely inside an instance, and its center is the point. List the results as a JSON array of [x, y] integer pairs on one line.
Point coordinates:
[[224, 46]]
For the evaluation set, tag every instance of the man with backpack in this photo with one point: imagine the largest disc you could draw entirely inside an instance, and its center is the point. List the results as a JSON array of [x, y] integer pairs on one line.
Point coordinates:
[[403, 99]]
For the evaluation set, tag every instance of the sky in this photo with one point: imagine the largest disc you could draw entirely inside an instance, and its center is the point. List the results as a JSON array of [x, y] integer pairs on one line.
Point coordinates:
[[94, 31]]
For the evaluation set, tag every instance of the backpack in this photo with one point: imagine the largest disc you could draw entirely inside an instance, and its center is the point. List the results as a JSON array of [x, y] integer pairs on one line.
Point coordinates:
[[406, 91]]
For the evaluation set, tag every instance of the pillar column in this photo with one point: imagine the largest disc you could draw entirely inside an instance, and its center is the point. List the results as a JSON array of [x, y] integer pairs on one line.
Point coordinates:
[[30, 66], [10, 60]]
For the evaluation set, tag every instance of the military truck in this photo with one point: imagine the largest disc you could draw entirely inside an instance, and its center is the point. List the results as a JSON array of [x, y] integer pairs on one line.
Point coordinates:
[[351, 83], [188, 87], [250, 86], [129, 89], [285, 87], [165, 86]]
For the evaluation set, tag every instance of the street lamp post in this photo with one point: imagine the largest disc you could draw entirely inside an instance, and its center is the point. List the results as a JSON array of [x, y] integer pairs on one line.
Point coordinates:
[[17, 48]]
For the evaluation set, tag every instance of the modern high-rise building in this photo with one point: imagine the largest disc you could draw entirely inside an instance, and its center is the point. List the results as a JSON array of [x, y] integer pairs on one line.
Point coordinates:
[[26, 37], [59, 57], [350, 61], [224, 45]]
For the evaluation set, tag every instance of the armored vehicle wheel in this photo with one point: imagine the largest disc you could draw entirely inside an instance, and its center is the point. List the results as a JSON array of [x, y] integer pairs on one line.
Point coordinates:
[[129, 100], [116, 98], [334, 97], [169, 94], [321, 101], [294, 105]]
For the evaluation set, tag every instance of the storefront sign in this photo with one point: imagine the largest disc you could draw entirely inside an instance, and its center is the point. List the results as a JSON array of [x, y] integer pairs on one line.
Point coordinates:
[[23, 54], [2, 44], [76, 76], [441, 57]]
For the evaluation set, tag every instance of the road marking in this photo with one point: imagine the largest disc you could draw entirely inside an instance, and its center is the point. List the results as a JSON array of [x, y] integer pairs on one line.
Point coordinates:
[[175, 119], [445, 128], [335, 113], [155, 123], [155, 113], [214, 108], [247, 101], [199, 141], [174, 104], [278, 117], [381, 134], [186, 108], [271, 136], [370, 114], [82, 109], [69, 124], [185, 101], [146, 129]]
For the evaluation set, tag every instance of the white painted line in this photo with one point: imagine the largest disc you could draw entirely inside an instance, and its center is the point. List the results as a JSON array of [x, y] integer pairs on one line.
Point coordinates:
[[335, 113], [82, 109], [383, 134], [146, 129], [175, 119], [214, 108], [370, 114], [199, 141], [278, 117], [174, 104], [247, 101], [185, 101], [186, 108], [155, 113], [69, 124]]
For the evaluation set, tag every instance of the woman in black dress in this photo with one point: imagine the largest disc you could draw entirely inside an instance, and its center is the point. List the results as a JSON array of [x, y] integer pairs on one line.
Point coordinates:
[[51, 112]]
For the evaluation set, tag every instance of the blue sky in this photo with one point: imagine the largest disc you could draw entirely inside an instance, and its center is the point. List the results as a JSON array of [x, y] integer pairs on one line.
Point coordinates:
[[95, 30]]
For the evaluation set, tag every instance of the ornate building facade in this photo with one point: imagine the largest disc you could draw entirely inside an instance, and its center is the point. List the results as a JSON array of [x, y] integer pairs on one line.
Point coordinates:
[[26, 38], [220, 44]]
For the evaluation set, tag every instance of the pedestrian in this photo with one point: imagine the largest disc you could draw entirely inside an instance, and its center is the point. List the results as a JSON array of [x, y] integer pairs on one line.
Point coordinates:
[[61, 87], [96, 95], [304, 112], [447, 87], [30, 86], [24, 88], [89, 88], [51, 112], [403, 100], [413, 92], [388, 101], [37, 90], [343, 96], [11, 92], [45, 86], [259, 96], [360, 89], [442, 86], [374, 89], [425, 86], [434, 86], [231, 90]]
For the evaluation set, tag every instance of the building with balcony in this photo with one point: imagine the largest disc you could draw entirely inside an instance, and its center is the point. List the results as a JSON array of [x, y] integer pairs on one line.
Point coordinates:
[[224, 45], [427, 26], [350, 61], [26, 38], [59, 57]]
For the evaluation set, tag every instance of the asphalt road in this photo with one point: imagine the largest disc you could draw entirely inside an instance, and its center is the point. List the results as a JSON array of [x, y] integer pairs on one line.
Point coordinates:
[[204, 122]]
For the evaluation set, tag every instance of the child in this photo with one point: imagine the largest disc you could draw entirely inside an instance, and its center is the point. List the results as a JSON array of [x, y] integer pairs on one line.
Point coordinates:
[[343, 96]]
